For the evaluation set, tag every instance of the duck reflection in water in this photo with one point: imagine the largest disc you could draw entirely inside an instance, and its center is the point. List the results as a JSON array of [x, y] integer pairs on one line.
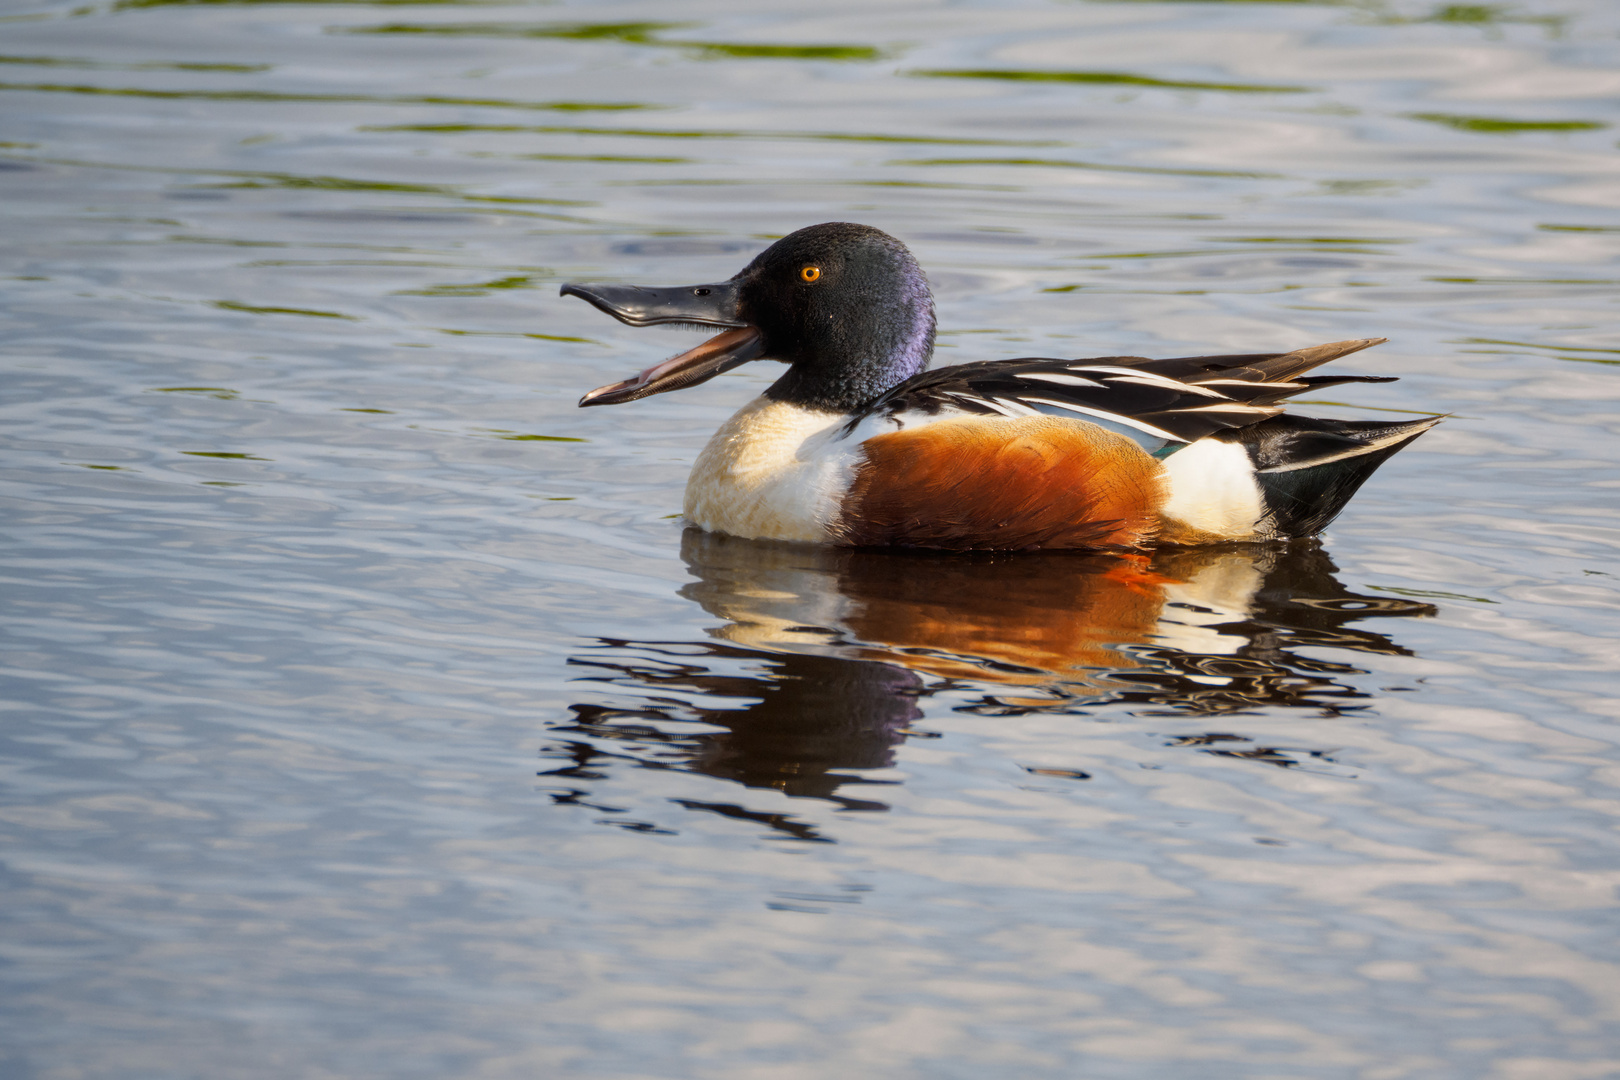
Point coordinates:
[[816, 671]]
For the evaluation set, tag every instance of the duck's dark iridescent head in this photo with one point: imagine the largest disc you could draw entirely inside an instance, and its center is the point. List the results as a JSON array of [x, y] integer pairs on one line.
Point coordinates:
[[845, 306]]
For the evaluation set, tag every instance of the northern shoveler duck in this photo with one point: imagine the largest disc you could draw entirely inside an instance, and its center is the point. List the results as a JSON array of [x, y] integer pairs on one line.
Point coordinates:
[[857, 444]]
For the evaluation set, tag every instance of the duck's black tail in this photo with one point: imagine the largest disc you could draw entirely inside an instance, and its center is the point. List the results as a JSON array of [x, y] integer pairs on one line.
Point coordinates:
[[1308, 468]]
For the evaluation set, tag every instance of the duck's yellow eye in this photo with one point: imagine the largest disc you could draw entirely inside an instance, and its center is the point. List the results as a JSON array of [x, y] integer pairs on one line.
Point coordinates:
[[810, 273]]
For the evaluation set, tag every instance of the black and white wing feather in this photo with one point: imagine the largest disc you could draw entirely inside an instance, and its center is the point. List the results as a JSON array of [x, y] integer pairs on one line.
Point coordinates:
[[1159, 402]]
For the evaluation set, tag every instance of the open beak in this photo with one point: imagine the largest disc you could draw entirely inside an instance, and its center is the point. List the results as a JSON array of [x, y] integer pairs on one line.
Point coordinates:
[[706, 305]]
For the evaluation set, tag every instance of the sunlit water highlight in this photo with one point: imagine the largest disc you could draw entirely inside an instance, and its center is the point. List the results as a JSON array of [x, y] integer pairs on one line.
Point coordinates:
[[369, 713]]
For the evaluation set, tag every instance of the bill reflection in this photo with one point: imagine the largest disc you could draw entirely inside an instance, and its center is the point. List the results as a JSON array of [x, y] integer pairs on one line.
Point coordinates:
[[815, 671]]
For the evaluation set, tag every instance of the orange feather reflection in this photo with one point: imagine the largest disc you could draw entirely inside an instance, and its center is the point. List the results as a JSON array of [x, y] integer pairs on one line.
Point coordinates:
[[1020, 619]]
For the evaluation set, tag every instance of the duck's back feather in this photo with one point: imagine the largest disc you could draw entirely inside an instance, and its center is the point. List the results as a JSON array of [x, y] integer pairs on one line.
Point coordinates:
[[1161, 403]]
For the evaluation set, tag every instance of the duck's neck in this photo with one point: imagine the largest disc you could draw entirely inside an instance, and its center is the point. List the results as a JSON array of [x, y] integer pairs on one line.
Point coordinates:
[[848, 390], [852, 370]]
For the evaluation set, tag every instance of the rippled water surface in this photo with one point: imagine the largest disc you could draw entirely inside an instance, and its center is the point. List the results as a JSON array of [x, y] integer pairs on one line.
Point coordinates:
[[370, 714]]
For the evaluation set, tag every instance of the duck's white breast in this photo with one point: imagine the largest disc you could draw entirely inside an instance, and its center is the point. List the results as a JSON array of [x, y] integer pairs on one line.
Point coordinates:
[[774, 471]]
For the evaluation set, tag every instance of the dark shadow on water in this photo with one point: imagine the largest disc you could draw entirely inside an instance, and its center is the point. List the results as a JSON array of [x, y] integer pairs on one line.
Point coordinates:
[[813, 674]]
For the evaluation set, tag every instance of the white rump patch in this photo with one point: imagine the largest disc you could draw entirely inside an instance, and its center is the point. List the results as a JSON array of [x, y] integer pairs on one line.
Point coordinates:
[[1213, 488]]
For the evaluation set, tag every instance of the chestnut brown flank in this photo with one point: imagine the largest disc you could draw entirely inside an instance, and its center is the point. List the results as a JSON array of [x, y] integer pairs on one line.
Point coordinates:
[[1033, 482]]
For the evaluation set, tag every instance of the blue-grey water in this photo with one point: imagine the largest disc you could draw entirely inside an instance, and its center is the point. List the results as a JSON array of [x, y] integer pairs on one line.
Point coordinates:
[[368, 712]]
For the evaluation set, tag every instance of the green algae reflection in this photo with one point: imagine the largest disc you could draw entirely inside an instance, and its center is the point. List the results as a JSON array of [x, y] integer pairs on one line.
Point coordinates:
[[709, 133], [630, 33], [1103, 78], [517, 436], [474, 288], [149, 65], [1484, 16], [131, 5], [251, 309], [634, 33], [1096, 166], [1552, 348], [1327, 3], [1490, 125], [251, 180], [273, 97], [224, 393]]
